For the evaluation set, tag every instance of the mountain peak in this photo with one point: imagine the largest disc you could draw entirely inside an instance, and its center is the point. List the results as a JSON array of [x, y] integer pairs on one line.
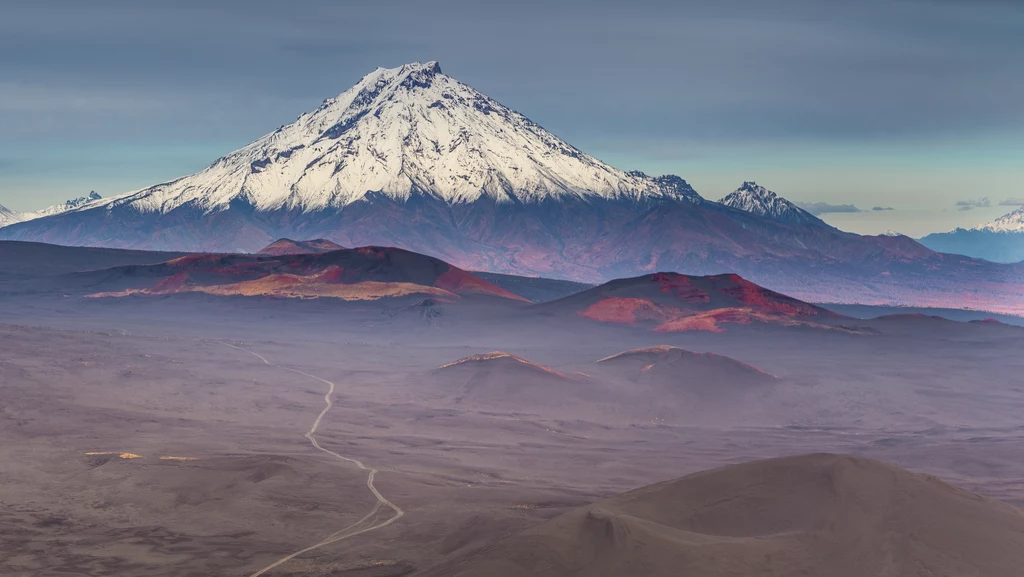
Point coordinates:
[[756, 189], [429, 67], [401, 133], [1012, 222], [756, 199]]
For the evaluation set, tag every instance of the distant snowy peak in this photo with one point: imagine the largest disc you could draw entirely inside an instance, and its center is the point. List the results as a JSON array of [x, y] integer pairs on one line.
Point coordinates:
[[756, 199], [8, 216], [1013, 222], [402, 132], [892, 232], [65, 206]]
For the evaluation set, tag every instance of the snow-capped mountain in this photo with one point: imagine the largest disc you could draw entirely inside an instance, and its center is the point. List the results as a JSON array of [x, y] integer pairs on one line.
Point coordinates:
[[1013, 222], [1001, 240], [756, 199], [411, 158], [402, 132], [8, 216]]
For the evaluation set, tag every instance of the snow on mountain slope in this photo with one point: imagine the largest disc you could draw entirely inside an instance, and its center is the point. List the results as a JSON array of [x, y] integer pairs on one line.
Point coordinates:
[[8, 216], [401, 132], [65, 206], [1001, 240], [756, 199], [1013, 222]]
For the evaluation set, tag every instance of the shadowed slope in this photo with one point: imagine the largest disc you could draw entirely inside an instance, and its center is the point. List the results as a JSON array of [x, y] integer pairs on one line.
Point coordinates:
[[39, 259], [809, 515]]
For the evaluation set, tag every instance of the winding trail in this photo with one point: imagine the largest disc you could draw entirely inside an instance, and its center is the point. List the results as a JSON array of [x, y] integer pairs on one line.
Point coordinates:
[[355, 528]]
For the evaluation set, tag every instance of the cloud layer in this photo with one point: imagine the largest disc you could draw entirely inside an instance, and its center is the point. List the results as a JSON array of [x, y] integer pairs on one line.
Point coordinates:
[[742, 68], [820, 208], [973, 204]]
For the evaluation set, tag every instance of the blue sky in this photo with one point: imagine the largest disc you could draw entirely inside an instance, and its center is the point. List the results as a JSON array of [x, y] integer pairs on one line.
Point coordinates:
[[915, 105]]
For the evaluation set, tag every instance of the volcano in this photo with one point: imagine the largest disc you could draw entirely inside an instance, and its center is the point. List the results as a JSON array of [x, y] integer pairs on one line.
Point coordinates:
[[412, 158]]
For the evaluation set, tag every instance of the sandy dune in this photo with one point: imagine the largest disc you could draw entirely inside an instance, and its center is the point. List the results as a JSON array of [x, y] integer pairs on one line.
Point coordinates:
[[818, 514]]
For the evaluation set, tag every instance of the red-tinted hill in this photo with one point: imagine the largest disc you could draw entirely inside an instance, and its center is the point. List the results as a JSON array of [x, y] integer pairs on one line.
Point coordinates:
[[671, 302], [285, 246], [367, 273]]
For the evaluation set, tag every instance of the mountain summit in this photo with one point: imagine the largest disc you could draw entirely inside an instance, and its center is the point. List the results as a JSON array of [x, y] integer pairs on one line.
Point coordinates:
[[401, 132], [756, 199], [411, 158]]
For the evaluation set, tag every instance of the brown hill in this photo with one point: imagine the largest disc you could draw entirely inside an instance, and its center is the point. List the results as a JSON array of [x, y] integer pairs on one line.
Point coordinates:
[[831, 515], [671, 302], [367, 273], [288, 246]]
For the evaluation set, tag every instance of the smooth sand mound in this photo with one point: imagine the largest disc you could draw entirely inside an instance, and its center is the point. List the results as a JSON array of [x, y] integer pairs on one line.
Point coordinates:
[[675, 365], [502, 381], [816, 515]]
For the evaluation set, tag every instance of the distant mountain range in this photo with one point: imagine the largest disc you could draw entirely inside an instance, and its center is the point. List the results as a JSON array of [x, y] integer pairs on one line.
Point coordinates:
[[1001, 240], [412, 158]]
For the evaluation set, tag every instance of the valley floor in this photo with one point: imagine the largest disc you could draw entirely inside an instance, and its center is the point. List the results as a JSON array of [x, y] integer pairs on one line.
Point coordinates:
[[135, 442]]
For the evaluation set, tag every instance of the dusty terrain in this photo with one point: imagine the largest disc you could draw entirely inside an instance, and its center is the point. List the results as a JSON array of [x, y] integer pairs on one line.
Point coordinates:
[[817, 514], [226, 483]]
